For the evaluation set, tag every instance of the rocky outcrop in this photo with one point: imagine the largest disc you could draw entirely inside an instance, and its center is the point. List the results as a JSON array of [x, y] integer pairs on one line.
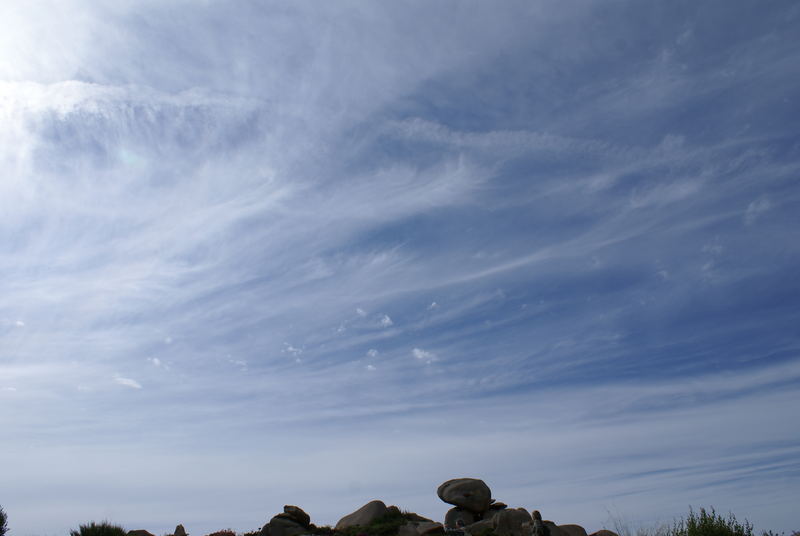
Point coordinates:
[[459, 517], [474, 513], [553, 528], [469, 493], [180, 531], [296, 514], [479, 527], [281, 526], [430, 528], [140, 532], [414, 518], [512, 522], [363, 516], [493, 509], [292, 521], [572, 530]]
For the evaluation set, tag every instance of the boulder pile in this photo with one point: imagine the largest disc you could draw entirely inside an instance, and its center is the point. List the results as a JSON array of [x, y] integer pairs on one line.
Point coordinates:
[[474, 513], [292, 521]]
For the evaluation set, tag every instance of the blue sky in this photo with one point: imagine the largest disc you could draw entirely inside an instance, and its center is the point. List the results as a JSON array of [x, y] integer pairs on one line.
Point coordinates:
[[257, 254]]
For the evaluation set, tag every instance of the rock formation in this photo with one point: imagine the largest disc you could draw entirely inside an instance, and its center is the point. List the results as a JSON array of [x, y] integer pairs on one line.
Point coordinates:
[[512, 522], [572, 530], [292, 521], [468, 493], [140, 532], [364, 515], [459, 517], [474, 513]]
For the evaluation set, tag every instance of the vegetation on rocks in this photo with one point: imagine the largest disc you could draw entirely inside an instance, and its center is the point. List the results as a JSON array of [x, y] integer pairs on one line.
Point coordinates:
[[99, 529], [223, 532]]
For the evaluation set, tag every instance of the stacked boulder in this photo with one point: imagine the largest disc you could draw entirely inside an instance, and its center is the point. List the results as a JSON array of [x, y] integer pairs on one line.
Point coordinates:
[[475, 511], [291, 522]]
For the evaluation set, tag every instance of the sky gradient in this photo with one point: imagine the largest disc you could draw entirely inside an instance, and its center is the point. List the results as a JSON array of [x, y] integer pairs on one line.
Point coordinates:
[[318, 253]]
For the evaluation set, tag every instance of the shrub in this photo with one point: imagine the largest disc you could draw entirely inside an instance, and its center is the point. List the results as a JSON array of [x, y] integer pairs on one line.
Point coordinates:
[[702, 523], [223, 532], [3, 522], [327, 530], [102, 529], [711, 524]]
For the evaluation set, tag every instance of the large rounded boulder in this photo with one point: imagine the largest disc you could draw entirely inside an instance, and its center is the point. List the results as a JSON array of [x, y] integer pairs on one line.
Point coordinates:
[[572, 530], [363, 516], [512, 522], [456, 514], [292, 521], [469, 493], [283, 526], [553, 529], [296, 514]]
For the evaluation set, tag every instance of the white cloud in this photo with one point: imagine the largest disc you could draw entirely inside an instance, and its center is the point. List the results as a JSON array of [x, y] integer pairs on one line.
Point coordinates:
[[386, 321], [155, 361], [372, 352], [361, 312], [9, 389], [128, 382], [293, 350], [424, 355], [755, 209], [19, 323], [433, 306], [371, 367]]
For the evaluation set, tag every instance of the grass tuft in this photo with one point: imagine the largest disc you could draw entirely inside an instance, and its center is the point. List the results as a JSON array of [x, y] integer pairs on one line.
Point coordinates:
[[103, 528]]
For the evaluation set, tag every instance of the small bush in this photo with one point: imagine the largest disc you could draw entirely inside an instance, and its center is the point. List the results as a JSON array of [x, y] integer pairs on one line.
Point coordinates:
[[99, 529], [223, 532], [702, 523], [326, 530], [711, 524], [3, 522]]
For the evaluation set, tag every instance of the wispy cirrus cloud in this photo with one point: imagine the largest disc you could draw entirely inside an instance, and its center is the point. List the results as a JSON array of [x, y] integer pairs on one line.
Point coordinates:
[[541, 236]]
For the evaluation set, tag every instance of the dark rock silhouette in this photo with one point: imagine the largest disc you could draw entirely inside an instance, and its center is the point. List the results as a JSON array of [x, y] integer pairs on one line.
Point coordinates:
[[572, 530], [364, 515], [140, 532], [474, 513], [469, 493]]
